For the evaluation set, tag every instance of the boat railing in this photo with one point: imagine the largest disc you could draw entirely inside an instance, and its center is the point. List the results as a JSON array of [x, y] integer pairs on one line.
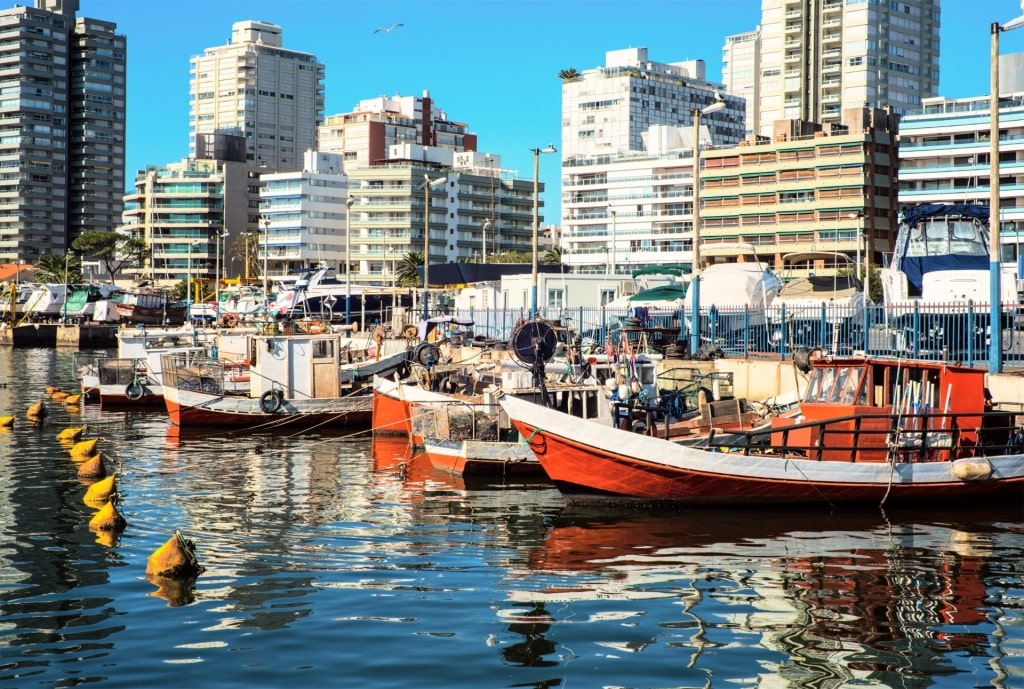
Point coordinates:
[[200, 373], [921, 437], [86, 362]]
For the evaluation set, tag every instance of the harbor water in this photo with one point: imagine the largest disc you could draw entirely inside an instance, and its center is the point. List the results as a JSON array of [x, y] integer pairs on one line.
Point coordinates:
[[333, 560]]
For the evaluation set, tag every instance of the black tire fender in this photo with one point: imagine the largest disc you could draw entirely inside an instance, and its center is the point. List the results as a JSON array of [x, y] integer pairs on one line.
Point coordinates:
[[133, 391], [270, 401]]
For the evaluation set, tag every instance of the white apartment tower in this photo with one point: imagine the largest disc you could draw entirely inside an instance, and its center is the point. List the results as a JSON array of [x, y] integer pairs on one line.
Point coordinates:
[[254, 88], [62, 128], [304, 215], [820, 57], [627, 159], [608, 109], [741, 59]]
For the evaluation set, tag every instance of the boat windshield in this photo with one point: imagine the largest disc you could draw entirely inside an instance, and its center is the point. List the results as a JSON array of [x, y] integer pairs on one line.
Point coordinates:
[[947, 237], [836, 385]]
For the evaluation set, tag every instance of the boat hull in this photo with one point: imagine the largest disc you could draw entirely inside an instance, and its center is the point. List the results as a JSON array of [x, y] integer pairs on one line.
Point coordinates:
[[482, 458], [599, 463], [196, 408]]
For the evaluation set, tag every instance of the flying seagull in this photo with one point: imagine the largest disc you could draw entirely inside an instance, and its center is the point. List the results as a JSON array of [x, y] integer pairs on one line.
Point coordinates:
[[387, 29]]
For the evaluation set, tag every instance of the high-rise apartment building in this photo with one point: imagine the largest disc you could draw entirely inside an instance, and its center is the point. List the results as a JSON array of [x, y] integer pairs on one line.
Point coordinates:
[[192, 214], [254, 88], [810, 187], [363, 136], [304, 216], [741, 60], [818, 58], [389, 147], [62, 128], [627, 159]]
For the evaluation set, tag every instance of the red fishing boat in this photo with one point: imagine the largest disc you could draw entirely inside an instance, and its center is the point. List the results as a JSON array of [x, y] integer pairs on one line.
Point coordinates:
[[869, 430]]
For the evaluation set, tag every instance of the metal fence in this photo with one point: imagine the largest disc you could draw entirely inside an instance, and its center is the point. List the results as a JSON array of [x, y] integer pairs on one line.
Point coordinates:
[[955, 332]]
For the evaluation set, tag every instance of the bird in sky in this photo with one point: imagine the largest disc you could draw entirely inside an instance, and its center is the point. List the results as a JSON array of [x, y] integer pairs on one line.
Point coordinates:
[[387, 29]]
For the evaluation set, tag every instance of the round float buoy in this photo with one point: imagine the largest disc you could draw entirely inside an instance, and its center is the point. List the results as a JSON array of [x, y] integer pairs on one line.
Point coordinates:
[[229, 320], [270, 401], [71, 433], [84, 449], [175, 559], [93, 468], [99, 492], [109, 518], [133, 391]]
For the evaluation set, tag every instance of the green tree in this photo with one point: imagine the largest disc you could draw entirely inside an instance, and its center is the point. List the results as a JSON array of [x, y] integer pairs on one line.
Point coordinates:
[[65, 269], [570, 74], [553, 256], [406, 272], [116, 251]]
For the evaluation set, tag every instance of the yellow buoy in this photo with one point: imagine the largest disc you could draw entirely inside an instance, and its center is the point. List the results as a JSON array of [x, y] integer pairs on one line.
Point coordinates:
[[108, 518], [71, 433], [175, 559], [99, 492], [93, 468], [59, 396], [71, 400], [50, 389], [84, 449], [36, 411], [6, 421]]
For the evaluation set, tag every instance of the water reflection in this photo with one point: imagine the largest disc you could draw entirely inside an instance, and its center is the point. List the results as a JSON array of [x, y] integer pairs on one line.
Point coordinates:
[[857, 599]]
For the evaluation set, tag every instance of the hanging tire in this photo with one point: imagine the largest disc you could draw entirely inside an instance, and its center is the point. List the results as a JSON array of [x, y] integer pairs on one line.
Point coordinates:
[[133, 391], [270, 401]]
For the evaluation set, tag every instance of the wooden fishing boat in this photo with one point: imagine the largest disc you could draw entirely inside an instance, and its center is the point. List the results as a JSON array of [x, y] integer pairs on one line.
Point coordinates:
[[301, 379], [869, 430]]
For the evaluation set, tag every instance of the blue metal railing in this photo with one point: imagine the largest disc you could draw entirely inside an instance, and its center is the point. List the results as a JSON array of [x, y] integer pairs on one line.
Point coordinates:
[[956, 332]]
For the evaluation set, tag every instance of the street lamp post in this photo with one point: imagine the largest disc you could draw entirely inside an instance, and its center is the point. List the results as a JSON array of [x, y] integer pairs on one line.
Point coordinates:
[[995, 354], [266, 253], [536, 222], [67, 282], [188, 282], [427, 184], [216, 290], [612, 265], [348, 259], [483, 240], [695, 272]]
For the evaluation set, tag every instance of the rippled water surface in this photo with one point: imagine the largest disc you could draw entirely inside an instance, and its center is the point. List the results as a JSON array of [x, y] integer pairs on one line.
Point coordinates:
[[333, 561]]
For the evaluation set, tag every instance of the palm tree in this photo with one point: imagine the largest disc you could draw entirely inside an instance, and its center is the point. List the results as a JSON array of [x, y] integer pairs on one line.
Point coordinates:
[[406, 273], [553, 256], [65, 269], [569, 74]]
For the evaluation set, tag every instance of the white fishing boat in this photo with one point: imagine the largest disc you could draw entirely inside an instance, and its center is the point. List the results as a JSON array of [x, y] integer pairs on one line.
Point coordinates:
[[298, 380]]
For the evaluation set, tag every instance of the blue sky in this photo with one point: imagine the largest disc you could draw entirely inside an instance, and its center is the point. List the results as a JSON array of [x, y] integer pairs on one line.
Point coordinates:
[[491, 64]]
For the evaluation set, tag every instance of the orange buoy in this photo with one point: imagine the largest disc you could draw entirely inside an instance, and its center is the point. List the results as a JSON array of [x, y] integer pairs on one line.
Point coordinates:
[[93, 468], [50, 389], [84, 449], [175, 559], [72, 400], [99, 492], [59, 396], [109, 518], [71, 433], [36, 411]]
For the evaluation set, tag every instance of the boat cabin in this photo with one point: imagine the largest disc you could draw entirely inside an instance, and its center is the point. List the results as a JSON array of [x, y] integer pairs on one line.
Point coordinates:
[[867, 394]]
